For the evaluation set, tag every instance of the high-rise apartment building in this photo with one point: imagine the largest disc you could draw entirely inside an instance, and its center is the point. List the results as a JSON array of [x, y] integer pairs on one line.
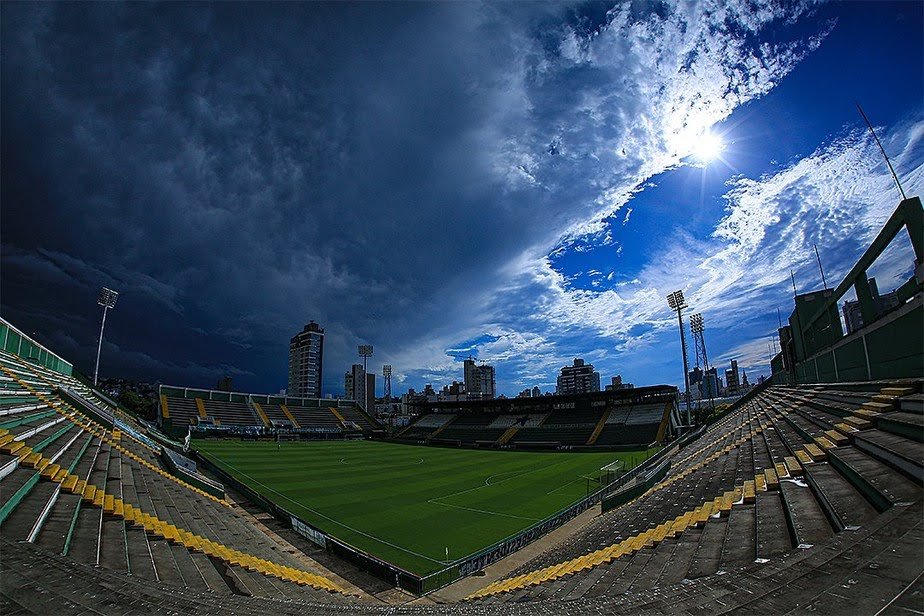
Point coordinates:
[[348, 385], [479, 380], [354, 383], [709, 387], [306, 353], [369, 393], [616, 384], [731, 377], [578, 378]]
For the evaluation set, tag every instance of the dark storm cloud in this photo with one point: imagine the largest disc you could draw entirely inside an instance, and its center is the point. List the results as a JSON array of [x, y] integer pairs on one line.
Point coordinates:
[[237, 169]]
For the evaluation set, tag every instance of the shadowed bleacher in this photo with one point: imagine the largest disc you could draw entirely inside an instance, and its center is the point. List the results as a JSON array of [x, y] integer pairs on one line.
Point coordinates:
[[793, 470]]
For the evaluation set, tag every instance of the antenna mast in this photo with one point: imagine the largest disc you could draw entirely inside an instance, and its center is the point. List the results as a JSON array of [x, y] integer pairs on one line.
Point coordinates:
[[820, 268], [884, 155]]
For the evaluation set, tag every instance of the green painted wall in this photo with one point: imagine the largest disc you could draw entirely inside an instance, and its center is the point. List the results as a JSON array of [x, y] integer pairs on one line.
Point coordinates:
[[14, 341]]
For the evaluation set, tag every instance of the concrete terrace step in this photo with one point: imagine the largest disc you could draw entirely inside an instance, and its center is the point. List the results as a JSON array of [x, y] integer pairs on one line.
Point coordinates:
[[896, 451], [910, 425], [912, 404], [880, 483]]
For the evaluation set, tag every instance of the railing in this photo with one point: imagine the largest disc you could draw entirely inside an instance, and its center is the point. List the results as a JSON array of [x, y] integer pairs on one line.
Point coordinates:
[[14, 341], [888, 344]]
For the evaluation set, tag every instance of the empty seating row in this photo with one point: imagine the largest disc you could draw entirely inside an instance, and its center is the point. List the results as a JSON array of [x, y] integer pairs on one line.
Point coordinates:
[[71, 486], [519, 421], [353, 414], [313, 417], [231, 413], [433, 420], [778, 475], [650, 414], [552, 433], [628, 434]]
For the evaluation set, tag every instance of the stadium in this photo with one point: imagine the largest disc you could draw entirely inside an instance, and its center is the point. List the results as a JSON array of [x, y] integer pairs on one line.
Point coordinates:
[[400, 308], [804, 495]]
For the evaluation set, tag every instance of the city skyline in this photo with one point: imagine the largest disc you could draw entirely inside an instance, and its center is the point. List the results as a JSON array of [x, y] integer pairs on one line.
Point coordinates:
[[519, 183]]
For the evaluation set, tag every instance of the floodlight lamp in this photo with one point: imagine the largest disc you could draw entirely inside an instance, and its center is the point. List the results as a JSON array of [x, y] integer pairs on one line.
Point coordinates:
[[365, 350], [675, 300], [386, 370], [697, 326], [107, 298]]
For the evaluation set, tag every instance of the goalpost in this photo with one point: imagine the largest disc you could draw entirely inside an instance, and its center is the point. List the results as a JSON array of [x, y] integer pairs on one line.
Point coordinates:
[[611, 472], [606, 475]]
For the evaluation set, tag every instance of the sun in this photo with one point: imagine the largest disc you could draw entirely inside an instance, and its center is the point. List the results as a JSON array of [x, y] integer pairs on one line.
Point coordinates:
[[708, 147]]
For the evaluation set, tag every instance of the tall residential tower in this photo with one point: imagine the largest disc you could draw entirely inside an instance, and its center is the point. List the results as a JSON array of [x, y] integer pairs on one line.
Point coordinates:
[[578, 378], [479, 380], [306, 351]]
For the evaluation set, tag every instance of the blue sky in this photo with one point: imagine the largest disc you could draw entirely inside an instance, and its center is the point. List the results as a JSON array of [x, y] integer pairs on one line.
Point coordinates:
[[512, 181]]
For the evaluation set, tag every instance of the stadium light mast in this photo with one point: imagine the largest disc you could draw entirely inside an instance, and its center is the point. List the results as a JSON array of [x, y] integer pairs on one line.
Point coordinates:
[[107, 299], [677, 303], [386, 373], [365, 351], [697, 327]]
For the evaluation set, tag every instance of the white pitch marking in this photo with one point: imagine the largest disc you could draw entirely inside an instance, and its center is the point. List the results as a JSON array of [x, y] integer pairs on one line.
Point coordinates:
[[318, 513]]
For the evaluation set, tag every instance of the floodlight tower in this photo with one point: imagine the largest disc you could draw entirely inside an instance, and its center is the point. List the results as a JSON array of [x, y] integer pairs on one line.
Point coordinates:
[[697, 327], [676, 301], [386, 373], [365, 351], [107, 299]]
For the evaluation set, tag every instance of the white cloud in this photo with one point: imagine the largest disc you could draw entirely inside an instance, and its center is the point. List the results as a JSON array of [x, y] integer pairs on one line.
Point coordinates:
[[838, 197]]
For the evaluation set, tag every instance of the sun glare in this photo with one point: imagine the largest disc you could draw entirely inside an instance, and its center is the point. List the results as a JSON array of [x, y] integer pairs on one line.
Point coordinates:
[[707, 147]]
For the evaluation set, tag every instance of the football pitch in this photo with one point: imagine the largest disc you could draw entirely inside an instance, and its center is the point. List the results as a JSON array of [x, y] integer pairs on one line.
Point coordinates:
[[407, 504]]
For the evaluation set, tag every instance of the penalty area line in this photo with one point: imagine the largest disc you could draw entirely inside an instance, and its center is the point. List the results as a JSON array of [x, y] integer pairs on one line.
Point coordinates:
[[564, 485], [506, 515], [328, 518]]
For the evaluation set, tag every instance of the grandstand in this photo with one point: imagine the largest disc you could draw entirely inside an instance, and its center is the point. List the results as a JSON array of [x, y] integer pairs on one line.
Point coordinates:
[[214, 412], [793, 472], [622, 419], [84, 482], [803, 497]]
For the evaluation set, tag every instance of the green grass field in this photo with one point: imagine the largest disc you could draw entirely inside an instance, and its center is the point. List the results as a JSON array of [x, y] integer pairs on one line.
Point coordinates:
[[406, 504]]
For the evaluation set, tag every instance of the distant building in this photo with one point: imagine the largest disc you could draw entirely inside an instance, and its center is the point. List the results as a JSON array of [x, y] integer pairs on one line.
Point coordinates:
[[535, 392], [348, 385], [853, 317], [354, 384], [579, 378], [731, 377], [454, 392], [616, 384], [225, 383], [368, 400], [744, 379], [306, 354], [478, 380], [710, 385]]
